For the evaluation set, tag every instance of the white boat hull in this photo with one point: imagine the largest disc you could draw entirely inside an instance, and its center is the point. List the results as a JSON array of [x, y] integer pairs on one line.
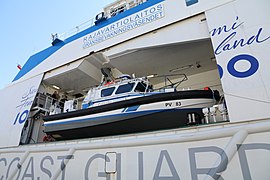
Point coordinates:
[[141, 118]]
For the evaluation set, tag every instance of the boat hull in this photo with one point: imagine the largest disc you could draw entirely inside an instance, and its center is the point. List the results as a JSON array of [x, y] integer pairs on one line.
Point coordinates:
[[148, 121], [171, 110]]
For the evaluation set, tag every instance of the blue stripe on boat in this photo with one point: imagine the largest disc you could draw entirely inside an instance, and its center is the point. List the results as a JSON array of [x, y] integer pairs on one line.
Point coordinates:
[[120, 114]]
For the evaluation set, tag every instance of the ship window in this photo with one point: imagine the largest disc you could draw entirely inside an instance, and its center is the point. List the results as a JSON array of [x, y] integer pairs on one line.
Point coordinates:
[[140, 87], [117, 10], [190, 2], [107, 92], [125, 88]]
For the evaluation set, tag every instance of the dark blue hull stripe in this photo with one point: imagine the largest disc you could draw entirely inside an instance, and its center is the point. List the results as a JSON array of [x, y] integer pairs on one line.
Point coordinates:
[[140, 113]]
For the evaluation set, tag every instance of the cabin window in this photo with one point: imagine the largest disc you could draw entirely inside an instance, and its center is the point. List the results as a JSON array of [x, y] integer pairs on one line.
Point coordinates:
[[107, 92], [190, 2], [140, 87], [125, 88]]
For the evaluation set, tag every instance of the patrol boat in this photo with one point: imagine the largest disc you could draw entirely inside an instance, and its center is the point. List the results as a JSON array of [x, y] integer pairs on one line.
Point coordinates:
[[127, 105], [218, 44]]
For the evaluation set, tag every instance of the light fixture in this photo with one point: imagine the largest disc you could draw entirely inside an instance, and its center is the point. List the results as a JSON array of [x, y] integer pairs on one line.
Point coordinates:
[[151, 76], [56, 87], [70, 91], [181, 68]]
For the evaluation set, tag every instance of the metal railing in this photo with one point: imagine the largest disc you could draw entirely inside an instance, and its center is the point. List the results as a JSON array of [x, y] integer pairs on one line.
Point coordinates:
[[77, 29], [43, 101]]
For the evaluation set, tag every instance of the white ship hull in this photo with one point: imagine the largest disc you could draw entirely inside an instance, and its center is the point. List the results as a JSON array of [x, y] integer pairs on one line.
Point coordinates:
[[220, 44], [230, 151]]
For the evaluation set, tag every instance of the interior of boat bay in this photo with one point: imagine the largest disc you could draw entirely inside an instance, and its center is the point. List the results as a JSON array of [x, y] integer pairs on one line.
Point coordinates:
[[194, 59], [164, 65]]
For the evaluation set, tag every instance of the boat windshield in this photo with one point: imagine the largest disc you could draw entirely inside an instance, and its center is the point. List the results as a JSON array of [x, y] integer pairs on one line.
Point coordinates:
[[125, 88], [141, 87], [107, 92]]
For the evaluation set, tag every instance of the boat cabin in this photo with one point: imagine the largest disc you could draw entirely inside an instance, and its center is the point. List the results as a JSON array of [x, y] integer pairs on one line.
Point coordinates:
[[122, 88]]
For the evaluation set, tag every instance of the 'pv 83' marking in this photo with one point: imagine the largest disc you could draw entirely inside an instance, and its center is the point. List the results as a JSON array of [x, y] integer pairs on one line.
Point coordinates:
[[171, 104]]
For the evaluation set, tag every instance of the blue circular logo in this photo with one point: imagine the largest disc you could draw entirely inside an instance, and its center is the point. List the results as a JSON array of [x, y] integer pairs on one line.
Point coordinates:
[[254, 66]]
